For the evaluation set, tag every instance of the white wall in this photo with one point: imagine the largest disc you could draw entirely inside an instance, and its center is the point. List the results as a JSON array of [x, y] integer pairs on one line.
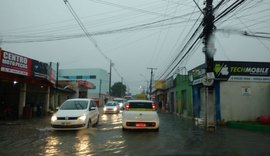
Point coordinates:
[[244, 101]]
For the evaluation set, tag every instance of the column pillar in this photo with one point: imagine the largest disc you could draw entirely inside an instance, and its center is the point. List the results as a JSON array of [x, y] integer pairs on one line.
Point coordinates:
[[22, 99], [47, 100]]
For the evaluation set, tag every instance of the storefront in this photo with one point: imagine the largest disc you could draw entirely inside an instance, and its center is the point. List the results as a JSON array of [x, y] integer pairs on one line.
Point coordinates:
[[160, 94], [24, 86], [241, 90]]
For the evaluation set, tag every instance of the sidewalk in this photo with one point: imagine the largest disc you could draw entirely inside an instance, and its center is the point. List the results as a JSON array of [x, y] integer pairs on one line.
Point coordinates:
[[34, 120]]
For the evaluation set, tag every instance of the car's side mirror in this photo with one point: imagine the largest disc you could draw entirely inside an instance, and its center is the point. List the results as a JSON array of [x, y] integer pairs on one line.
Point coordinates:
[[92, 108]]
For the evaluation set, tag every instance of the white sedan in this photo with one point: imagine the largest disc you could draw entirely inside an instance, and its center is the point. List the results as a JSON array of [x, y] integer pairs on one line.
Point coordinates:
[[75, 114], [140, 114]]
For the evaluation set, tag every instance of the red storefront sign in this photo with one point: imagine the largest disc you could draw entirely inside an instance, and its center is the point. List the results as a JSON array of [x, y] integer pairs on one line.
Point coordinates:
[[14, 63], [85, 84]]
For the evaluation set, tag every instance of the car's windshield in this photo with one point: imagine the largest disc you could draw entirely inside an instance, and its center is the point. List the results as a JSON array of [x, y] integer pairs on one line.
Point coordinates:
[[74, 105], [111, 104]]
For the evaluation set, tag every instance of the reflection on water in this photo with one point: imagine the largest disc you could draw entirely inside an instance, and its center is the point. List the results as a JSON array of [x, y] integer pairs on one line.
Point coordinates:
[[110, 122], [82, 145], [52, 145], [75, 142], [113, 146]]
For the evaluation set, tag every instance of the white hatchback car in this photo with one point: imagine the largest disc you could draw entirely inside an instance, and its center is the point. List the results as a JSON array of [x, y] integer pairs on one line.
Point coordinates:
[[140, 114], [75, 114]]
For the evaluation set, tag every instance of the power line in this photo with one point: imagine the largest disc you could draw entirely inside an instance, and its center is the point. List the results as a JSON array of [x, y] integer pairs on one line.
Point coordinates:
[[40, 38], [231, 8], [90, 38], [127, 7], [88, 35]]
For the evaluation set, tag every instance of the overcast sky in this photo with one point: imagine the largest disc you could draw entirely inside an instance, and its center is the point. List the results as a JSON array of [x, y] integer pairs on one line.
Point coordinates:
[[134, 34]]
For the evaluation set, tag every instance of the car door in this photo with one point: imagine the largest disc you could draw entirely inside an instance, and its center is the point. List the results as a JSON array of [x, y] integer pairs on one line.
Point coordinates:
[[93, 112]]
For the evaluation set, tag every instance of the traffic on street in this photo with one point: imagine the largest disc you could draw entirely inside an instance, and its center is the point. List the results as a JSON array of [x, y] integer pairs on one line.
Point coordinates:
[[135, 77], [176, 136]]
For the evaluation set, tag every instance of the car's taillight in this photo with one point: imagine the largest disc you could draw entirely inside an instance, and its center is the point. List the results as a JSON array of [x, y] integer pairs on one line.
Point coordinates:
[[127, 106], [154, 107]]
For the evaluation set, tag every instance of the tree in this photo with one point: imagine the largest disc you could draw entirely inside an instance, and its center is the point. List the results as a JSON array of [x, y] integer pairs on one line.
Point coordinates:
[[118, 89]]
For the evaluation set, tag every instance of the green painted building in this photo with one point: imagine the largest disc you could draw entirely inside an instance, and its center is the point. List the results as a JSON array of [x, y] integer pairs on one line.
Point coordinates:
[[183, 96]]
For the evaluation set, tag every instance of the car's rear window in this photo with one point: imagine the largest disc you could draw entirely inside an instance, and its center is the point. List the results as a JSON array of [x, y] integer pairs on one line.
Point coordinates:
[[146, 105], [74, 105]]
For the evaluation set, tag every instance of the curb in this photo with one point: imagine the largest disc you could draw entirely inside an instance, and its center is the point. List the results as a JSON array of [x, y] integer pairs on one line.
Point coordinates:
[[248, 126]]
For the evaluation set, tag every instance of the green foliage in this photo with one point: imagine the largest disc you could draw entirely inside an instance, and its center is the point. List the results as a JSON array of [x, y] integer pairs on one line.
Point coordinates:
[[118, 89]]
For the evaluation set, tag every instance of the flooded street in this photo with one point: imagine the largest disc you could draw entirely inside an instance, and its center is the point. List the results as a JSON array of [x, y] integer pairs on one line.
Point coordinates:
[[176, 136]]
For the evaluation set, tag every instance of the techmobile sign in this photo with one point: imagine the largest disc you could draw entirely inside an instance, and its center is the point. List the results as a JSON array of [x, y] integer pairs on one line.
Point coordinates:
[[242, 71]]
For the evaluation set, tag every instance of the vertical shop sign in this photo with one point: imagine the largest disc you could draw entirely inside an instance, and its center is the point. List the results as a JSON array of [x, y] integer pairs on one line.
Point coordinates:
[[52, 75]]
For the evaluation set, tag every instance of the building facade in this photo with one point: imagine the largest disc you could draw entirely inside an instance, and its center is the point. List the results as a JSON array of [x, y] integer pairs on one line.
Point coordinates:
[[25, 83], [241, 90], [98, 77], [184, 96]]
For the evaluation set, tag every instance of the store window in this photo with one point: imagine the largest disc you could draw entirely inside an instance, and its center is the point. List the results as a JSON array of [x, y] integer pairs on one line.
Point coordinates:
[[92, 77], [79, 77]]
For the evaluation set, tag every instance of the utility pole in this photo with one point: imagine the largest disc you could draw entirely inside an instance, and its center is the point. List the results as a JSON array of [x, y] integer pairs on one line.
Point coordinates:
[[100, 82], [209, 50], [151, 79], [57, 74], [110, 78]]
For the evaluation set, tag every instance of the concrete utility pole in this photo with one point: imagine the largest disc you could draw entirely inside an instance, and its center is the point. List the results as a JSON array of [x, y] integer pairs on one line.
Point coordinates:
[[110, 78], [209, 50], [151, 79]]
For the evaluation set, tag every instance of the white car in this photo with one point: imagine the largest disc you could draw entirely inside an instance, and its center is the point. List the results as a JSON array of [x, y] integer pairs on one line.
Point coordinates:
[[140, 114], [111, 107], [75, 114], [120, 101]]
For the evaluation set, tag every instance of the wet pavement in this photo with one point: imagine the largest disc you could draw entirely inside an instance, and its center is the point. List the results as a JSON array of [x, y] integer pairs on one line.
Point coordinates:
[[177, 136]]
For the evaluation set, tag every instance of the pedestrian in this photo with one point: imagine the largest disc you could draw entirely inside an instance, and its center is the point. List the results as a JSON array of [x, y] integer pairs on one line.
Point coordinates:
[[105, 100], [159, 105]]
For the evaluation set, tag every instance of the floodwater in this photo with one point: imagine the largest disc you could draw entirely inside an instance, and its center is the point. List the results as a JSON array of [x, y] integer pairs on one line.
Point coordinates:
[[177, 136]]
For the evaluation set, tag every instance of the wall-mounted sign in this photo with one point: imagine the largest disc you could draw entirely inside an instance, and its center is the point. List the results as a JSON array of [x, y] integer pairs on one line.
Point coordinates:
[[233, 71], [14, 63], [246, 91], [242, 71], [40, 69]]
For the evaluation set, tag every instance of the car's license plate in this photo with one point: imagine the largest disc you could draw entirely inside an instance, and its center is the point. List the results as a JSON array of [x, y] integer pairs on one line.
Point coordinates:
[[140, 125], [65, 123]]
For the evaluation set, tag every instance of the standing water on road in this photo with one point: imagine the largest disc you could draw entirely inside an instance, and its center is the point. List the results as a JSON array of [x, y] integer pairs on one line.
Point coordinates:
[[176, 136]]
